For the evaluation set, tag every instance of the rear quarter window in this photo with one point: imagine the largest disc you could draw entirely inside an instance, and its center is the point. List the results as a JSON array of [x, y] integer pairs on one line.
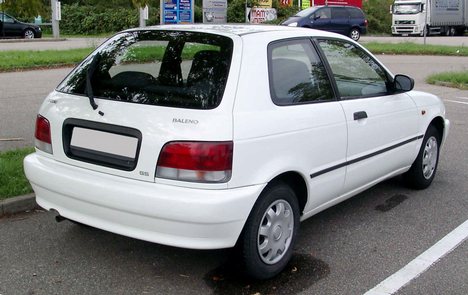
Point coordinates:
[[164, 68], [296, 73], [355, 13]]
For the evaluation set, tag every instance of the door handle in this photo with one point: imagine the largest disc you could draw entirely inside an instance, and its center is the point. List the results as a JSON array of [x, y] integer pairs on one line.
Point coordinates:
[[360, 115]]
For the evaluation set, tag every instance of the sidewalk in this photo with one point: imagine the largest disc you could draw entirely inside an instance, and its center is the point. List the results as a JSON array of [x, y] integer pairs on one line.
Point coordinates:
[[49, 43]]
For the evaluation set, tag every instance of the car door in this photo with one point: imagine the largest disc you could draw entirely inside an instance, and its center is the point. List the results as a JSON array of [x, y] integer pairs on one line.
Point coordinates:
[[321, 19], [300, 85], [382, 125], [11, 27], [340, 20]]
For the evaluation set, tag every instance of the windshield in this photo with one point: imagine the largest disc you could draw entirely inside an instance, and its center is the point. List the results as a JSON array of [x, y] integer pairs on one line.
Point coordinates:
[[306, 12], [165, 68], [406, 8]]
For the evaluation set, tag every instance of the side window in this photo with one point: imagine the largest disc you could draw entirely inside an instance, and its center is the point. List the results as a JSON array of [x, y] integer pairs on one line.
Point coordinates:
[[339, 12], [323, 13], [296, 73], [355, 72], [355, 13], [7, 19]]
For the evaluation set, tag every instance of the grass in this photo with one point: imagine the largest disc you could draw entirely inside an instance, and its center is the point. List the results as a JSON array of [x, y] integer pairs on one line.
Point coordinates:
[[415, 49], [14, 60], [12, 179], [450, 79], [26, 60]]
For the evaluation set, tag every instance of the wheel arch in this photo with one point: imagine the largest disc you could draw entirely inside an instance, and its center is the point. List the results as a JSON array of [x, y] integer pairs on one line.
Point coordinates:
[[438, 123], [297, 183]]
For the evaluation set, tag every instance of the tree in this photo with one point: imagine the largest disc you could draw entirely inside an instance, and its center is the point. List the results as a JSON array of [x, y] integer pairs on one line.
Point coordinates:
[[140, 3], [378, 15], [26, 9]]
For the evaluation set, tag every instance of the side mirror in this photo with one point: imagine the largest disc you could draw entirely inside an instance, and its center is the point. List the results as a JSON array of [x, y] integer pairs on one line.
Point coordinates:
[[403, 83]]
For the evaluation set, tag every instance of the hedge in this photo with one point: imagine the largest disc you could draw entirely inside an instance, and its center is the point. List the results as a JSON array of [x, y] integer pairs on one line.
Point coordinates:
[[91, 20]]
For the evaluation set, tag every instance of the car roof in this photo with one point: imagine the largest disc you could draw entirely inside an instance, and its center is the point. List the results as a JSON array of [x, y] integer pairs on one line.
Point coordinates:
[[239, 29]]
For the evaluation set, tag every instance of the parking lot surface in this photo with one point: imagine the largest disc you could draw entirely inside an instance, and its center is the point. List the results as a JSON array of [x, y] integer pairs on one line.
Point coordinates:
[[347, 249]]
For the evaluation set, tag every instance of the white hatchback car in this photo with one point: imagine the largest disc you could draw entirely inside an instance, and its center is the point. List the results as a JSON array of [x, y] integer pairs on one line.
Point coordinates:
[[208, 137]]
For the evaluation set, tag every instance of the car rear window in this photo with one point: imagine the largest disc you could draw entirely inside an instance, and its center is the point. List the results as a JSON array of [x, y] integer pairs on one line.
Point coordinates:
[[164, 68], [355, 13]]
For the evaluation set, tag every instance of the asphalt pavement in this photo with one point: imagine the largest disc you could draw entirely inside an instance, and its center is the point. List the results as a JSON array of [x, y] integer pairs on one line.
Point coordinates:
[[347, 249]]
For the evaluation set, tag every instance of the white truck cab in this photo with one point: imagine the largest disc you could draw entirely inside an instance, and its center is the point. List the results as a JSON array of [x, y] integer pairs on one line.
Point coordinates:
[[410, 17]]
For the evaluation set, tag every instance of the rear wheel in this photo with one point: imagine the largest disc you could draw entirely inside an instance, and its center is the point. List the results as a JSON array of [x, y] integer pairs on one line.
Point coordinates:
[[424, 168], [270, 232], [355, 34], [450, 31]]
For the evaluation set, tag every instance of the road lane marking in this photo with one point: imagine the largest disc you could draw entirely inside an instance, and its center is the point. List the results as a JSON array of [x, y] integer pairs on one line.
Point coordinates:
[[460, 97], [460, 102], [421, 263]]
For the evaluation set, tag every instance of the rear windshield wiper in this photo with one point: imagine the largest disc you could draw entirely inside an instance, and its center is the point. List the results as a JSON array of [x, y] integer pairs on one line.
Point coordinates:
[[89, 74]]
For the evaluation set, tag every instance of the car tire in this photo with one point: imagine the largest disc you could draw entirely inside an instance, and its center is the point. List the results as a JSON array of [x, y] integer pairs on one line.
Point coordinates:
[[450, 31], [355, 34], [424, 168], [28, 34], [270, 232]]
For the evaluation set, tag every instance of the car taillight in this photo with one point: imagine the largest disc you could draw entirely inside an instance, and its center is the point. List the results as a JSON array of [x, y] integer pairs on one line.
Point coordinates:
[[43, 140], [196, 161], [366, 22]]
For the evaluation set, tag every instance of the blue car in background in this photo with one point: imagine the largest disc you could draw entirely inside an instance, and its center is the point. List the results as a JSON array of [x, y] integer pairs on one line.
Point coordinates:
[[345, 20]]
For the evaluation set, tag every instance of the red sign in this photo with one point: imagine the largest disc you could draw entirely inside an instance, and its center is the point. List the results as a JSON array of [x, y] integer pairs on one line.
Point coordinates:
[[357, 3]]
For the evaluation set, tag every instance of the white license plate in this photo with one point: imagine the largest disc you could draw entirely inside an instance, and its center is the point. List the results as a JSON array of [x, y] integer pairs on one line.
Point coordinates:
[[104, 142]]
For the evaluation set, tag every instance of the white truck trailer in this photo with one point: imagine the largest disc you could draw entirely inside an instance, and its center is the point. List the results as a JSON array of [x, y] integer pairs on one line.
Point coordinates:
[[445, 17]]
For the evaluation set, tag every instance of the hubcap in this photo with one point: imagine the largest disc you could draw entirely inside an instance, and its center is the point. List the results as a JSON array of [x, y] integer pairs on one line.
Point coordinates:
[[275, 232], [354, 35], [429, 160], [29, 34]]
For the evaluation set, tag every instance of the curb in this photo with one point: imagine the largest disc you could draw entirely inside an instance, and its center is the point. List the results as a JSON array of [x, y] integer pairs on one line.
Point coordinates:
[[20, 40], [18, 204]]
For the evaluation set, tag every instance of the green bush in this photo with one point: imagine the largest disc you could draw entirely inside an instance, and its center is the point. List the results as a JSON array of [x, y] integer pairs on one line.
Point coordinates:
[[283, 12], [78, 19], [378, 15], [236, 11]]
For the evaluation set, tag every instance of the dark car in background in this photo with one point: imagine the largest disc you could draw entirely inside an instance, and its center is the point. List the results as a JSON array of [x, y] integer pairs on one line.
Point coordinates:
[[346, 20], [11, 27]]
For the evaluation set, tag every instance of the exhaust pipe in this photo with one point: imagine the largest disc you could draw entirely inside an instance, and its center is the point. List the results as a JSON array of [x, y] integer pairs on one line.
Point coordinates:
[[58, 217]]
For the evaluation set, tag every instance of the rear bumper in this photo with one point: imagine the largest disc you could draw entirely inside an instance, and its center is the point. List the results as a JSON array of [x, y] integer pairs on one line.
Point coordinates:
[[169, 215]]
